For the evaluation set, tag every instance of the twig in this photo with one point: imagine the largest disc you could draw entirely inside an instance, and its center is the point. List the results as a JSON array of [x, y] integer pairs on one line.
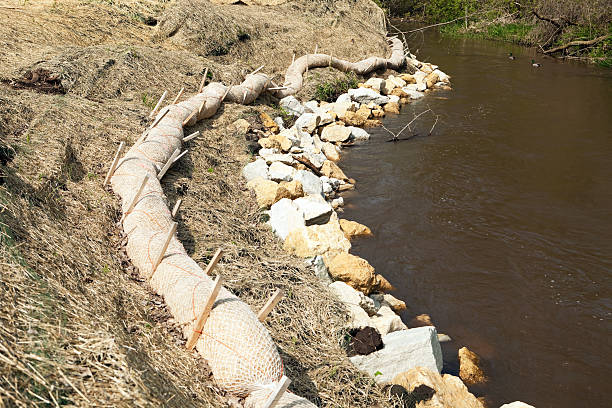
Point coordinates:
[[434, 125]]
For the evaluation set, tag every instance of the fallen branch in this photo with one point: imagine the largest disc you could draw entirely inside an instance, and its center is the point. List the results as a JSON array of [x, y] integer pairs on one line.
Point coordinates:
[[573, 43]]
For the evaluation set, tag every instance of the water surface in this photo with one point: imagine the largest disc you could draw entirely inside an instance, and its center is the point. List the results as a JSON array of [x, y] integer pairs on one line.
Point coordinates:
[[499, 225]]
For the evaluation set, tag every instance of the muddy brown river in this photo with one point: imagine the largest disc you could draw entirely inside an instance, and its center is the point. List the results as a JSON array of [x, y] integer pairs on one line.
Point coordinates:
[[499, 224]]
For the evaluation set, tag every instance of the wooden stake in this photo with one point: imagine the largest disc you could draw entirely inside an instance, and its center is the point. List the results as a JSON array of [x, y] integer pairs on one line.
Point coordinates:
[[164, 248], [226, 92], [186, 121], [138, 193], [267, 308], [191, 136], [257, 70], [180, 155], [316, 48], [244, 96], [277, 88], [214, 261], [197, 330], [114, 164], [158, 104], [178, 96], [176, 207], [163, 115], [278, 392], [203, 81], [169, 163], [293, 59]]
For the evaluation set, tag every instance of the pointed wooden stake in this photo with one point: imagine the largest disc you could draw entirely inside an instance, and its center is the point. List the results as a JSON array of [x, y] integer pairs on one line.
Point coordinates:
[[180, 155], [203, 81], [257, 70], [267, 308], [191, 136], [176, 207], [214, 261], [178, 96], [169, 163], [135, 199], [226, 92], [316, 48], [146, 132], [197, 330], [164, 248], [283, 384], [114, 164], [158, 104], [186, 121], [293, 59]]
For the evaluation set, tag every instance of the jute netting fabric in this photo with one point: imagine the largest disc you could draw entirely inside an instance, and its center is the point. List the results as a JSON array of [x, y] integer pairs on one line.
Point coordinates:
[[238, 348]]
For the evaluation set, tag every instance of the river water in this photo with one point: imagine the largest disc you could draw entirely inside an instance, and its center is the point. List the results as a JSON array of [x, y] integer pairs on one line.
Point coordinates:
[[499, 224]]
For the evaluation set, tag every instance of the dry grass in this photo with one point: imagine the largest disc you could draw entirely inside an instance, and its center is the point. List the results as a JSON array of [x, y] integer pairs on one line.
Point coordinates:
[[77, 325]]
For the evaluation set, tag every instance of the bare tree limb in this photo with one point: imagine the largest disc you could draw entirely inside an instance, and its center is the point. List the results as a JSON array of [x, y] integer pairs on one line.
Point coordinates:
[[572, 43]]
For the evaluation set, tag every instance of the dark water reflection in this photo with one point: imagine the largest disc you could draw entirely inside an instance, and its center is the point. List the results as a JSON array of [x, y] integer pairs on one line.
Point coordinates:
[[500, 224]]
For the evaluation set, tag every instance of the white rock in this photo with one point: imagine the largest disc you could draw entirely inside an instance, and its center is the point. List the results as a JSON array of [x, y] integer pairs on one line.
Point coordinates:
[[388, 88], [281, 172], [311, 106], [419, 76], [421, 86], [414, 94], [397, 81], [517, 404], [351, 299], [314, 209], [402, 351], [368, 305], [292, 105], [308, 122], [317, 159], [320, 269], [255, 169], [285, 217], [306, 141], [280, 122], [283, 158], [344, 98], [358, 134], [326, 119], [394, 99], [366, 95], [267, 152], [310, 183], [386, 321], [335, 133], [442, 76], [376, 83], [337, 202], [340, 108]]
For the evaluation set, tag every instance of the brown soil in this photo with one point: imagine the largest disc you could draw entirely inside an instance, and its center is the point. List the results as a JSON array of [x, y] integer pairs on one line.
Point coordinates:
[[77, 326]]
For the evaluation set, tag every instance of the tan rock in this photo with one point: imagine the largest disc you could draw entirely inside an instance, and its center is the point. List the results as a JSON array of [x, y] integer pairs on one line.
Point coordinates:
[[364, 111], [268, 122], [408, 78], [400, 92], [404, 101], [431, 79], [335, 133], [378, 113], [352, 119], [450, 392], [392, 107], [372, 123], [268, 143], [381, 284], [331, 169], [330, 151], [241, 126], [427, 68], [316, 240], [469, 367], [353, 229], [421, 320], [283, 142], [267, 191], [353, 270], [394, 303], [294, 187]]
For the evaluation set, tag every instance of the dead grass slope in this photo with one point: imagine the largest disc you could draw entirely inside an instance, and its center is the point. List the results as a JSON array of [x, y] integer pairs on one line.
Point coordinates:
[[77, 326]]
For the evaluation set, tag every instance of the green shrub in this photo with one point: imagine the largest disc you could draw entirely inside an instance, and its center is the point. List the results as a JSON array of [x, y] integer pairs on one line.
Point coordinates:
[[329, 91]]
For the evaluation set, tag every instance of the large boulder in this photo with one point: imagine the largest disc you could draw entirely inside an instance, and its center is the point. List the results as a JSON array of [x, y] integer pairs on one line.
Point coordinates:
[[366, 95], [255, 169], [331, 170], [267, 191], [403, 350], [335, 133], [285, 217], [316, 240], [354, 229], [470, 369], [392, 107], [311, 184], [355, 271], [292, 105], [377, 84], [294, 187], [448, 391], [308, 122], [330, 151], [314, 209]]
